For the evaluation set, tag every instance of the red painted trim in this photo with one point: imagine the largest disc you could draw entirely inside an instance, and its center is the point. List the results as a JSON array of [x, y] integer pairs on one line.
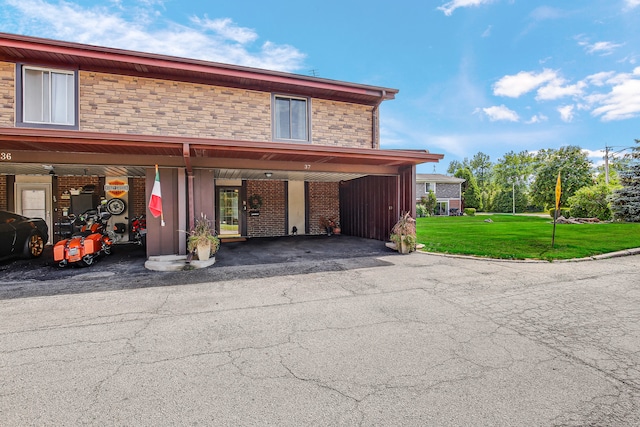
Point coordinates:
[[389, 157]]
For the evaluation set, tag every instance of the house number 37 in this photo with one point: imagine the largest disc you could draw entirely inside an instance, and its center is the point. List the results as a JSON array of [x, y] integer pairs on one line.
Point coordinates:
[[5, 156]]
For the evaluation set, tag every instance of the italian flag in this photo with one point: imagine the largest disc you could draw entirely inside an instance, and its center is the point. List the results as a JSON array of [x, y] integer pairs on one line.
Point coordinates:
[[155, 203]]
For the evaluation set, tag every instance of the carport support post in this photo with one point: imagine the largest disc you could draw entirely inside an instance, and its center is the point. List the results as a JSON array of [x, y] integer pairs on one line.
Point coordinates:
[[192, 208]]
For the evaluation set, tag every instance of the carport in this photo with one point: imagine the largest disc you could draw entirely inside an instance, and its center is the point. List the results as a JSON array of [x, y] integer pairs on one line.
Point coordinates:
[[375, 186]]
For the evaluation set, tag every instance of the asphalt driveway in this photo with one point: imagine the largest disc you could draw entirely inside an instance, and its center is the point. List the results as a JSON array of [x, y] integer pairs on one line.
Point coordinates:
[[375, 340]]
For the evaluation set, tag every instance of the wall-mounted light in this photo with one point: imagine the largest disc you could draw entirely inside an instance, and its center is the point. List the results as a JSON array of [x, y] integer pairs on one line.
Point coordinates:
[[268, 174]]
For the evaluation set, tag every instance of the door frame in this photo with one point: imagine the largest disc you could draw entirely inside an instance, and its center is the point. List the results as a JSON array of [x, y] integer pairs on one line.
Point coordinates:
[[241, 207], [48, 189]]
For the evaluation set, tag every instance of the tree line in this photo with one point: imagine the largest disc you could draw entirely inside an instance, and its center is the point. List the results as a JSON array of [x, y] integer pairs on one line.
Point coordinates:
[[526, 182]]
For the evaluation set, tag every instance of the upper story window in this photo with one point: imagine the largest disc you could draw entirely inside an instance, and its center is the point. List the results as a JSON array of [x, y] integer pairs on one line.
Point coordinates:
[[429, 186], [48, 97], [290, 118]]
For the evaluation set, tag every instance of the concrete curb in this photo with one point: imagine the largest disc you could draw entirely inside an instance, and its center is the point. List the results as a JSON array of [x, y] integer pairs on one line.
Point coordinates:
[[617, 254]]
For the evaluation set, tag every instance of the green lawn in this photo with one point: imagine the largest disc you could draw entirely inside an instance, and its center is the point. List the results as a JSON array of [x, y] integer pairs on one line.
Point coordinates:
[[523, 237]]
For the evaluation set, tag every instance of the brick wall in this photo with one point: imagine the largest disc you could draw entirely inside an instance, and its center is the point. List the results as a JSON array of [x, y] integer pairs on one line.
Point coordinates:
[[139, 205], [7, 93], [3, 193], [66, 183], [324, 201], [271, 221], [341, 124], [125, 104]]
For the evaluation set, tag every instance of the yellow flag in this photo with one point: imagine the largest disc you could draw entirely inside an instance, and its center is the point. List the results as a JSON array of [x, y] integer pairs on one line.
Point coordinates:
[[558, 192]]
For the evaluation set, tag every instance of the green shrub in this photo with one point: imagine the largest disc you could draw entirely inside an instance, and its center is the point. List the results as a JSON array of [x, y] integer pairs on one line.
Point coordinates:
[[592, 202], [422, 211], [470, 211]]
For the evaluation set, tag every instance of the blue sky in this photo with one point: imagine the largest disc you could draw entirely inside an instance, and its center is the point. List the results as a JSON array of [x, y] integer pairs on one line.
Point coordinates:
[[473, 75]]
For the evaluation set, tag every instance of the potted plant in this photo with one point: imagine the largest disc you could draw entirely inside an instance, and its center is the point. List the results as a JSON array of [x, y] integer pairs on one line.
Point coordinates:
[[202, 239], [403, 234], [331, 225]]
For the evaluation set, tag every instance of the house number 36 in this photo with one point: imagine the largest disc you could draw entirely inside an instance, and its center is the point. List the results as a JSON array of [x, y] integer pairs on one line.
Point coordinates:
[[5, 156]]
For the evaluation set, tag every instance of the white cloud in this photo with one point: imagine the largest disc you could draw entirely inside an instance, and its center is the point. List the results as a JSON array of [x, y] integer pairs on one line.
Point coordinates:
[[599, 79], [516, 85], [452, 5], [227, 29], [602, 48], [622, 102], [543, 13], [219, 40], [538, 118], [632, 3], [566, 113], [500, 113], [487, 32], [557, 89]]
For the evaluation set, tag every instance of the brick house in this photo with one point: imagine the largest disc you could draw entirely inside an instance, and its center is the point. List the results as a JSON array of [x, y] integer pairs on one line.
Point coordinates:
[[257, 151], [448, 191]]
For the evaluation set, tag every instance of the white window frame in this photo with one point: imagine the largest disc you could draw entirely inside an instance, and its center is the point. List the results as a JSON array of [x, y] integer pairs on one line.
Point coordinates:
[[71, 104], [429, 186], [274, 118]]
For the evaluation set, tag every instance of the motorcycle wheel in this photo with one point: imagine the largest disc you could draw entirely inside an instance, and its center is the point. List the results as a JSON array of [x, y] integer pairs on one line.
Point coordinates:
[[87, 260], [107, 249]]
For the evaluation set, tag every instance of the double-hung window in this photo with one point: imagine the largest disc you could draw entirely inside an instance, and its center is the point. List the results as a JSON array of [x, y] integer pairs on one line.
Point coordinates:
[[48, 97], [290, 118]]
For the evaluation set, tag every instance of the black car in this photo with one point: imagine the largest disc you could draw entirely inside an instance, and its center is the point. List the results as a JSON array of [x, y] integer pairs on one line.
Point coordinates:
[[22, 236]]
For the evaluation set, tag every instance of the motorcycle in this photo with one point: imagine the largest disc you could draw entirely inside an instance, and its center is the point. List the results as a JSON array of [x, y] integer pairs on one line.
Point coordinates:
[[87, 244], [139, 230]]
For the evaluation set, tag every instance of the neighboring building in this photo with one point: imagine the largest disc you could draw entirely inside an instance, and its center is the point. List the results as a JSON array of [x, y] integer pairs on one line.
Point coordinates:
[[448, 191], [257, 151]]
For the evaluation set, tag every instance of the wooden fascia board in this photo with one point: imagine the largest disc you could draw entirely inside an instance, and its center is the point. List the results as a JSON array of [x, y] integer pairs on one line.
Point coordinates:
[[225, 163], [47, 157], [40, 136]]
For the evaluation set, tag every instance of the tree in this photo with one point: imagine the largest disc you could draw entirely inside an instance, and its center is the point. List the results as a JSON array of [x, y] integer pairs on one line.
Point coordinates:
[[455, 166], [592, 202], [625, 202], [482, 169], [575, 173], [429, 202], [512, 174], [470, 191]]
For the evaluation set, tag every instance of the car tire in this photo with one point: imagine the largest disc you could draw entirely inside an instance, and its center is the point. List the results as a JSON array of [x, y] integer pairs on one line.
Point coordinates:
[[34, 246]]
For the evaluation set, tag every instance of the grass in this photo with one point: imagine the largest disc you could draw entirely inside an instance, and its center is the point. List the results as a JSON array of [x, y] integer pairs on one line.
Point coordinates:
[[523, 237]]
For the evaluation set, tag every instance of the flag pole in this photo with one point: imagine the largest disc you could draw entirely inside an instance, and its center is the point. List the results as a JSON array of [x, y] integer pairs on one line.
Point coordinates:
[[555, 213], [162, 223]]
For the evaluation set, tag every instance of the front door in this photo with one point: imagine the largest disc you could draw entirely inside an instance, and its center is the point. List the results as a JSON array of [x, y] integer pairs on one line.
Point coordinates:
[[34, 201], [229, 212]]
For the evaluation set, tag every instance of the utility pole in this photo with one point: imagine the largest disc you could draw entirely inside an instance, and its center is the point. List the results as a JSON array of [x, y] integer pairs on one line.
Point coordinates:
[[513, 195], [606, 165]]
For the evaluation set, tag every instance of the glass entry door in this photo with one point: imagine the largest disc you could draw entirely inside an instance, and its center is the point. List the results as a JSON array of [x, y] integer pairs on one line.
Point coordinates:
[[229, 212]]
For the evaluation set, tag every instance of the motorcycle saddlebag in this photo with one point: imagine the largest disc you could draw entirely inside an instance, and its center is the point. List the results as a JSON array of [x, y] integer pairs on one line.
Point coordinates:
[[58, 250], [92, 243]]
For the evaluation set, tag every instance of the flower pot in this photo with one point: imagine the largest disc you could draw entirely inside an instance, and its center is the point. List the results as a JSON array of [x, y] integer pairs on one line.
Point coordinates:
[[336, 230], [204, 251], [404, 247]]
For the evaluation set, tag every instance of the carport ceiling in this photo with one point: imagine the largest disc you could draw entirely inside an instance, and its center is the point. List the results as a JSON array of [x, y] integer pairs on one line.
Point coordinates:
[[139, 171]]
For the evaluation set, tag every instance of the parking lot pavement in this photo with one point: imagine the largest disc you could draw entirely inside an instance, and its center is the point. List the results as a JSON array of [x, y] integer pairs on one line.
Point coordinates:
[[410, 340], [124, 268]]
